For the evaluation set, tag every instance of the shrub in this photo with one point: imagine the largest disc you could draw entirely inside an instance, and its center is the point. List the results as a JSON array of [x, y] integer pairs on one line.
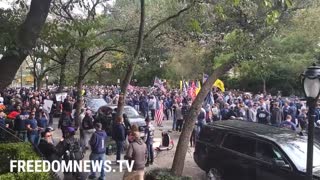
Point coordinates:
[[163, 174], [19, 151]]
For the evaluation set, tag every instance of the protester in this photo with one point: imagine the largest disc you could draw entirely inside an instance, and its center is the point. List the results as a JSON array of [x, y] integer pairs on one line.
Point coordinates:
[[98, 148], [47, 148], [88, 127], [119, 135], [288, 123], [179, 117], [32, 129], [149, 141], [136, 152]]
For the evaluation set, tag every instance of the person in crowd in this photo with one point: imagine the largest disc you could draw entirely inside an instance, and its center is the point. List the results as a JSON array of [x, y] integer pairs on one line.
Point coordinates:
[[152, 104], [43, 121], [293, 112], [276, 114], [136, 153], [3, 120], [288, 124], [285, 109], [65, 121], [225, 112], [215, 112], [252, 112], [88, 128], [72, 151], [144, 106], [303, 118], [119, 135], [262, 115], [200, 121], [47, 148], [179, 117], [98, 148], [32, 129], [20, 123], [149, 141]]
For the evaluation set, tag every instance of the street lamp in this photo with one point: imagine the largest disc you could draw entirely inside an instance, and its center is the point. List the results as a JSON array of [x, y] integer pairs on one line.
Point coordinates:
[[47, 77], [311, 89]]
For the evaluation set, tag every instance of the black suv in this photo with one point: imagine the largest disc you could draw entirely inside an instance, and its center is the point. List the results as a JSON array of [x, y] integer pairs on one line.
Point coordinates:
[[236, 150]]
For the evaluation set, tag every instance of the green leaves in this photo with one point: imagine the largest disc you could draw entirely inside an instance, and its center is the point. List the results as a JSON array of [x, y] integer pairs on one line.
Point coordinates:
[[273, 17], [195, 25]]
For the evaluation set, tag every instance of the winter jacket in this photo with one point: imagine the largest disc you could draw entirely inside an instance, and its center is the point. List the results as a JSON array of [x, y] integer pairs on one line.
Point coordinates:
[[119, 132], [136, 152], [276, 116]]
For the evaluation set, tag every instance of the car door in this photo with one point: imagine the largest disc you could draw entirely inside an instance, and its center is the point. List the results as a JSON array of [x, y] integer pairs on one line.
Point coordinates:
[[272, 163], [239, 160]]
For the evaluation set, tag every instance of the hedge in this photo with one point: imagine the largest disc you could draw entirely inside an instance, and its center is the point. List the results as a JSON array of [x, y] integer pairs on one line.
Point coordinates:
[[19, 151], [163, 174]]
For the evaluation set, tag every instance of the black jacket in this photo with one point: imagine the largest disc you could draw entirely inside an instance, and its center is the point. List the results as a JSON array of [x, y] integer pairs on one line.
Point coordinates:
[[49, 151]]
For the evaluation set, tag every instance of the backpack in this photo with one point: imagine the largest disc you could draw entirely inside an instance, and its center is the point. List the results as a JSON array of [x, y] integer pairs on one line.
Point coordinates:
[[66, 121], [75, 150]]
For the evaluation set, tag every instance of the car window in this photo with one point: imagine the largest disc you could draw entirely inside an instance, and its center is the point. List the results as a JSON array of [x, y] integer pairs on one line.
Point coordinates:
[[268, 152], [211, 135], [240, 144], [130, 112]]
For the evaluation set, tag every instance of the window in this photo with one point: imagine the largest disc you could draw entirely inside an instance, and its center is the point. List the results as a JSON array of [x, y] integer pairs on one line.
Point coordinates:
[[211, 135], [267, 152], [240, 144]]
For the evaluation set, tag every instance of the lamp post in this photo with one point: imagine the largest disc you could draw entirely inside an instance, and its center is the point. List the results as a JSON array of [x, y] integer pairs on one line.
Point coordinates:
[[47, 77], [311, 88]]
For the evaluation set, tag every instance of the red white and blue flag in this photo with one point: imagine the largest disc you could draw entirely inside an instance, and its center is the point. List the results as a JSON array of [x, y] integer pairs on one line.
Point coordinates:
[[159, 113]]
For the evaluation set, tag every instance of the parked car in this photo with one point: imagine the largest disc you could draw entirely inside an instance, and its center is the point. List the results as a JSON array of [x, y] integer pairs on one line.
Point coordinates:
[[133, 116], [95, 103], [236, 149]]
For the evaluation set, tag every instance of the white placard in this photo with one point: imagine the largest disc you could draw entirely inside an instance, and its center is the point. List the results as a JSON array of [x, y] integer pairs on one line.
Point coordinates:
[[47, 105], [61, 96]]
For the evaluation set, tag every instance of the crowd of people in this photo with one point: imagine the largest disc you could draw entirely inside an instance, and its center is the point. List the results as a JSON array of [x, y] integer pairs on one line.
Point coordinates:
[[23, 114]]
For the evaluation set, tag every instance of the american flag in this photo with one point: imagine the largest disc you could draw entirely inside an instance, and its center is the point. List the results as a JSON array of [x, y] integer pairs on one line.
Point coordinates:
[[159, 113]]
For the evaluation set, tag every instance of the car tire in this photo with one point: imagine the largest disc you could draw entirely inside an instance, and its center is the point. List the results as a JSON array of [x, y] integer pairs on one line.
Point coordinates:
[[214, 174]]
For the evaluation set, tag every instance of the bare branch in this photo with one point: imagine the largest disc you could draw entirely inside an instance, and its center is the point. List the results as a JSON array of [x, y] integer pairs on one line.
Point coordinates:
[[168, 19], [91, 58], [94, 63]]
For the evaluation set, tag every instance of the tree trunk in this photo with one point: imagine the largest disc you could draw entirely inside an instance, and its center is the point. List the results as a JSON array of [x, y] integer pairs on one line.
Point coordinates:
[[62, 77], [131, 64], [181, 151], [34, 81], [79, 88], [29, 32], [39, 83], [124, 87]]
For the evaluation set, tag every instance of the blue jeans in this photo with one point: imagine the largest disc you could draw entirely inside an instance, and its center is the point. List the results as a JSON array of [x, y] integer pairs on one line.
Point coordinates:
[[150, 153], [33, 138], [98, 157], [119, 149], [22, 135]]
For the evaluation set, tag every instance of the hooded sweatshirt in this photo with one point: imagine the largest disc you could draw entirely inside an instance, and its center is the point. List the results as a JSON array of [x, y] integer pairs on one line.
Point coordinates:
[[97, 142]]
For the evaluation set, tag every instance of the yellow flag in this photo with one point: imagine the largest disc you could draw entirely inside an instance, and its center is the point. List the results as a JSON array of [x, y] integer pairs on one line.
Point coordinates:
[[198, 85], [181, 85], [219, 84]]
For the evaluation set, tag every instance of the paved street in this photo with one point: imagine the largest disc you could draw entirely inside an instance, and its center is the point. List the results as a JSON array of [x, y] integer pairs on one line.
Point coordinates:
[[163, 160]]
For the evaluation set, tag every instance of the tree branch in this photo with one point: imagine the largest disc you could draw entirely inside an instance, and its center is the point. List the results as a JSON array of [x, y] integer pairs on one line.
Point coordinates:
[[92, 64], [91, 58], [168, 19]]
